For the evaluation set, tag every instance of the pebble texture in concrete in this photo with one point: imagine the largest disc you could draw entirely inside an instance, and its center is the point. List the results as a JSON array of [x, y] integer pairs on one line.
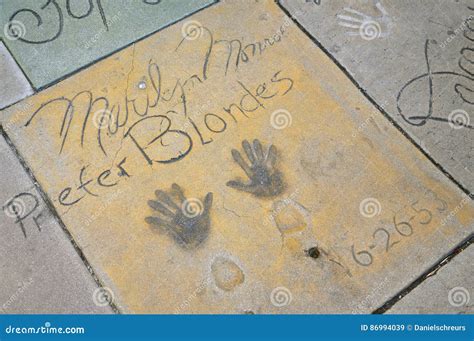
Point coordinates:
[[200, 177], [51, 39], [415, 60], [449, 291], [13, 84], [40, 270]]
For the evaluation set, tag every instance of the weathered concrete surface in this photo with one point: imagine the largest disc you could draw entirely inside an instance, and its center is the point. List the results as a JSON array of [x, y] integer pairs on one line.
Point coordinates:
[[40, 270], [449, 291], [13, 84], [343, 211], [394, 49], [53, 39]]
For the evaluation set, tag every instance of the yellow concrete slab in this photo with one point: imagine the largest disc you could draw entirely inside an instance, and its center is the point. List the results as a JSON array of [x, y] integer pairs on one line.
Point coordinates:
[[337, 212]]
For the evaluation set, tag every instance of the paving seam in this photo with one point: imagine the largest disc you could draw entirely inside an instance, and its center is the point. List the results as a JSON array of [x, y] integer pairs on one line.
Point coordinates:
[[373, 102], [70, 74], [428, 273], [24, 75], [55, 214], [386, 306], [460, 247], [19, 66]]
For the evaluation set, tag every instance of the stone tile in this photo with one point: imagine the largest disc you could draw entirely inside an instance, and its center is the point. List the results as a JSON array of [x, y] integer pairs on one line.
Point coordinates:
[[41, 271], [348, 214], [50, 40], [13, 84], [388, 46], [449, 291]]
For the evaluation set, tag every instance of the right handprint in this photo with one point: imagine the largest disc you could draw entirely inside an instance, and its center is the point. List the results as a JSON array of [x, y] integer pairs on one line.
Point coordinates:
[[264, 179]]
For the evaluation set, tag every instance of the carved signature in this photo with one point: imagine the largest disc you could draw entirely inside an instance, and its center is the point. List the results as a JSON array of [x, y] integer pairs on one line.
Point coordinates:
[[462, 87], [52, 6]]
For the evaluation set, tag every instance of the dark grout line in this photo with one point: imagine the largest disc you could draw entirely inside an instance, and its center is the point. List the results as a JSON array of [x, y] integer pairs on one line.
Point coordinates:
[[20, 100], [95, 61], [22, 161], [24, 74], [50, 206], [386, 306], [72, 73], [463, 245], [373, 102], [428, 273], [21, 69]]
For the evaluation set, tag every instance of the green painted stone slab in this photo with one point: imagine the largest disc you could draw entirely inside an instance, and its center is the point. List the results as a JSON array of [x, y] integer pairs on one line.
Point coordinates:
[[53, 38]]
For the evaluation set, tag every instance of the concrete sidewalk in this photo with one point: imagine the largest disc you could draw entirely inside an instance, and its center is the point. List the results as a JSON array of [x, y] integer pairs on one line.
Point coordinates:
[[259, 167]]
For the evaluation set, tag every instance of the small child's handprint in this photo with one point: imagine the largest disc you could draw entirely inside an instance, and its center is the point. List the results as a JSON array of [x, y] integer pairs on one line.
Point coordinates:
[[364, 25], [265, 179], [186, 220]]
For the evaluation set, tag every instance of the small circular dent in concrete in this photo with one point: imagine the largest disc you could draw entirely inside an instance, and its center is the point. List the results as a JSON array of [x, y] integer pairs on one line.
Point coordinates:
[[226, 273], [313, 252]]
